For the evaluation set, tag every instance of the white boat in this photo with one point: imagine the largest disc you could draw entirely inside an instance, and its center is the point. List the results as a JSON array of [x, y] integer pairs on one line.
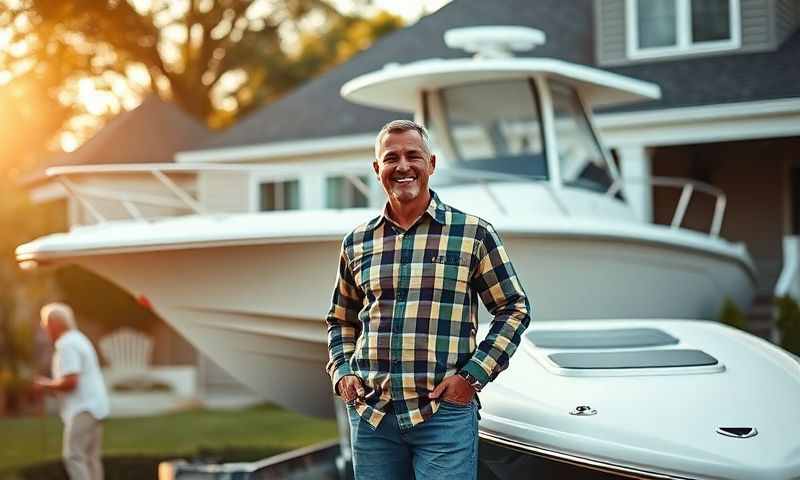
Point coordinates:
[[517, 147], [643, 399]]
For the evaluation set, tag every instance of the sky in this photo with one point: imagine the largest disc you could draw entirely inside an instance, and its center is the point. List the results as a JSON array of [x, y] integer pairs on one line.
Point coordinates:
[[410, 10]]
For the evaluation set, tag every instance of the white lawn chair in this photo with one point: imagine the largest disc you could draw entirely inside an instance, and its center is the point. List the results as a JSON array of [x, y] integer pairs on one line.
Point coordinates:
[[137, 387], [128, 353]]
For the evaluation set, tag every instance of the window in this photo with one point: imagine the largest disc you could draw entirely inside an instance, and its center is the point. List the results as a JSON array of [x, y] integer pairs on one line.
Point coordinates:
[[279, 195], [495, 127], [673, 27], [580, 157], [340, 192]]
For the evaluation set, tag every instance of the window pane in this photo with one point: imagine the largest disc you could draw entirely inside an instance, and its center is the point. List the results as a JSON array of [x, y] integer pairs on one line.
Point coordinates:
[[334, 192], [341, 193], [267, 196], [291, 195], [279, 195], [495, 127], [711, 20], [656, 23], [580, 158], [359, 199]]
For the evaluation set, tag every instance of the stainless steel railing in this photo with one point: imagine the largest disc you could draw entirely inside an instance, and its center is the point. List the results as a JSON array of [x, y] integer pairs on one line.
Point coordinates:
[[179, 198]]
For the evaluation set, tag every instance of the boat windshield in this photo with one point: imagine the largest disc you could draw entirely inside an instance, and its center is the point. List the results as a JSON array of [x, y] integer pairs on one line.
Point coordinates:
[[581, 160], [495, 127]]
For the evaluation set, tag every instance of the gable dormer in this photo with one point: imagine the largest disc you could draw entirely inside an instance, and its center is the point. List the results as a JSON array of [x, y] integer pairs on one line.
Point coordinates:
[[639, 31]]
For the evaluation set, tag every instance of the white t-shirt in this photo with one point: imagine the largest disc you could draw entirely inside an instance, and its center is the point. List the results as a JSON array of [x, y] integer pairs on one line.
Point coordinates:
[[74, 354]]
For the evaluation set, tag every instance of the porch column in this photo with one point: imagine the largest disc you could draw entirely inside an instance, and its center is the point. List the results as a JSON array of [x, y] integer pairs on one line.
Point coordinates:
[[636, 175]]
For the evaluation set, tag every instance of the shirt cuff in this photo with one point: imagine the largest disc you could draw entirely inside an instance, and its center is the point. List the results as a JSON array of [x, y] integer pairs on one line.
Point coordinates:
[[341, 371], [476, 370]]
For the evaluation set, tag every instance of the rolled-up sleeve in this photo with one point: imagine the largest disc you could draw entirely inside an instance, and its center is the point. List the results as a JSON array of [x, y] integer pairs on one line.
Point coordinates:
[[501, 292], [344, 326]]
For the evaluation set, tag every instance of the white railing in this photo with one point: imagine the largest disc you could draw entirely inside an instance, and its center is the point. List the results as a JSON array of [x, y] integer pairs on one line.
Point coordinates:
[[179, 198], [688, 188]]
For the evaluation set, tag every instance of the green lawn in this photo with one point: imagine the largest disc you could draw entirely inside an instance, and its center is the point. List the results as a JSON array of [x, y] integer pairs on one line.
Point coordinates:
[[264, 428]]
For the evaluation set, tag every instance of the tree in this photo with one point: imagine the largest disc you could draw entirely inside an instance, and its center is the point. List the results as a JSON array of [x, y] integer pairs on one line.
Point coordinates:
[[215, 58]]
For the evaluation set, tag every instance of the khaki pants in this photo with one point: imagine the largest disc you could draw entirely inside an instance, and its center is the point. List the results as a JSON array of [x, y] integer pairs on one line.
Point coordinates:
[[83, 439]]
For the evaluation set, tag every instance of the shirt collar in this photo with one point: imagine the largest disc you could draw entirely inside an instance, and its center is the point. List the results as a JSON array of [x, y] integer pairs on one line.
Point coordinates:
[[436, 210]]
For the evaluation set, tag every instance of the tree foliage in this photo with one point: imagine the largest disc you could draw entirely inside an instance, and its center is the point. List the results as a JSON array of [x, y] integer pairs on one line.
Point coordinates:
[[69, 65], [215, 58]]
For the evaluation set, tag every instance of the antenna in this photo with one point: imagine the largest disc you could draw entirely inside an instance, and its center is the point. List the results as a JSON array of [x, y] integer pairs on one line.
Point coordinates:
[[494, 41]]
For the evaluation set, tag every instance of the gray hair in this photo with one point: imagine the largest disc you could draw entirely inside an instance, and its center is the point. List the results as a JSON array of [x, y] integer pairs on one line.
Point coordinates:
[[60, 311], [399, 126]]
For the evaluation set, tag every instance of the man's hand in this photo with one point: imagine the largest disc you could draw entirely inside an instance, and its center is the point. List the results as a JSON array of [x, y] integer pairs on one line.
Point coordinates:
[[454, 389], [40, 384], [66, 383], [351, 389]]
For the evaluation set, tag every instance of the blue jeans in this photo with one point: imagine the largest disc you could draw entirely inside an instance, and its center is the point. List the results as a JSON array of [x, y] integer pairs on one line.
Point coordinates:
[[442, 447]]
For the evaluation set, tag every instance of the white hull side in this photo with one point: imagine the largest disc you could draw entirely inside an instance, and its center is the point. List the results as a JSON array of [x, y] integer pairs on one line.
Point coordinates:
[[258, 310]]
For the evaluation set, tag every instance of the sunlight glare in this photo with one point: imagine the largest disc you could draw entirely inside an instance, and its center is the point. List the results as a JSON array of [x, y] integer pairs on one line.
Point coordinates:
[[68, 142]]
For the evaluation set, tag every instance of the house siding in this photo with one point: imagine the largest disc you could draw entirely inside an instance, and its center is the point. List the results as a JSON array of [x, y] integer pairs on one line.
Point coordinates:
[[787, 16], [756, 29], [224, 191], [610, 31]]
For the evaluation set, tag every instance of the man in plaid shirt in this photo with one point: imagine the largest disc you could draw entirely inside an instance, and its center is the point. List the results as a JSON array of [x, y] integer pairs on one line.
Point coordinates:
[[401, 329]]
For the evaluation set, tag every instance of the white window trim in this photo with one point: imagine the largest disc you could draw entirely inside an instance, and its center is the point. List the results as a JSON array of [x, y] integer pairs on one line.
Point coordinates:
[[684, 43]]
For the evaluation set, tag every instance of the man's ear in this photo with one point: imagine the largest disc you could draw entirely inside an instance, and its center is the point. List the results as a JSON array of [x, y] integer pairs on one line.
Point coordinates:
[[433, 164], [376, 167]]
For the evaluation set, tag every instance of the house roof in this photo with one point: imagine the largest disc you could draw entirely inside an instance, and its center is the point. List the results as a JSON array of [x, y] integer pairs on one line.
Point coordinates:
[[317, 110], [150, 133]]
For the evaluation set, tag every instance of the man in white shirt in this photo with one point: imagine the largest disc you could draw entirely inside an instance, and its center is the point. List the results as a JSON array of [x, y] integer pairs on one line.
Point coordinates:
[[78, 384]]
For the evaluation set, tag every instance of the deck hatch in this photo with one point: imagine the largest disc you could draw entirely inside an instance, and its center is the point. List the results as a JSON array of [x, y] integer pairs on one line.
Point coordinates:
[[633, 359], [606, 338]]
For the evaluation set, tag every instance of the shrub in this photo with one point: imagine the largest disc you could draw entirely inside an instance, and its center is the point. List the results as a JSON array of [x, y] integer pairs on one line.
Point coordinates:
[[731, 314], [789, 323]]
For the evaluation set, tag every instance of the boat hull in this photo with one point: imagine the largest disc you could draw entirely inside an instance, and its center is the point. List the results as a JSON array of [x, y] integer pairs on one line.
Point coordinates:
[[258, 310]]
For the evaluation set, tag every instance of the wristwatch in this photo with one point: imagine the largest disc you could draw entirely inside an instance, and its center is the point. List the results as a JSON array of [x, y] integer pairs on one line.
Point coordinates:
[[473, 382]]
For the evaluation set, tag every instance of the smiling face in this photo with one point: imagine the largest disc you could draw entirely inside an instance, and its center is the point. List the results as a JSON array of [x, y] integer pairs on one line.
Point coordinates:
[[403, 167]]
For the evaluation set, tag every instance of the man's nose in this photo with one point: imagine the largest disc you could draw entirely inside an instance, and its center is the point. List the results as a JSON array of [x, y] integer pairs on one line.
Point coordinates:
[[403, 164]]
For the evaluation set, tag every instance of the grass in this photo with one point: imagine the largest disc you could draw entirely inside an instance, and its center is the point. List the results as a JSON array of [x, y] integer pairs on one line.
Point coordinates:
[[27, 441]]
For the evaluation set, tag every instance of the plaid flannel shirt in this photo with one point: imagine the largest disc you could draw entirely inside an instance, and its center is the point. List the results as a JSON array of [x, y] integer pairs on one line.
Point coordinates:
[[404, 312]]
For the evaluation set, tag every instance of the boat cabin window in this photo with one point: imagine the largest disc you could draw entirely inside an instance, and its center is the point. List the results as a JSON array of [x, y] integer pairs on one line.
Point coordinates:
[[580, 157], [495, 126], [653, 358], [279, 195], [601, 338], [341, 193]]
